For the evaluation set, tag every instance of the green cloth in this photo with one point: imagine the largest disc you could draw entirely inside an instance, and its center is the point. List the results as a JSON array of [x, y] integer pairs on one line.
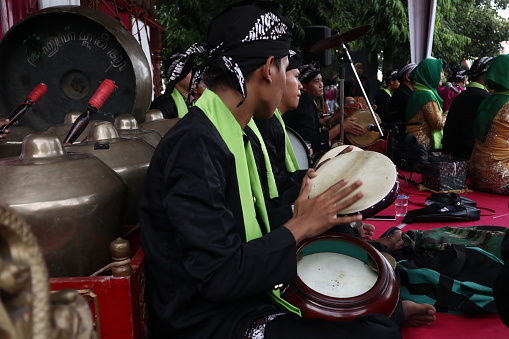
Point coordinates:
[[426, 77], [497, 78], [180, 102], [250, 188], [475, 84], [386, 91], [291, 162], [271, 182]]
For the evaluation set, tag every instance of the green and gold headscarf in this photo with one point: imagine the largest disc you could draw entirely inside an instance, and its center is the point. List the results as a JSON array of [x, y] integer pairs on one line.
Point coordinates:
[[426, 77], [497, 79]]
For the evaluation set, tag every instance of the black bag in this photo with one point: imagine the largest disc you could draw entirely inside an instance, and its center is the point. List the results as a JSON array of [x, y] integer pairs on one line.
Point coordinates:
[[409, 154], [445, 207]]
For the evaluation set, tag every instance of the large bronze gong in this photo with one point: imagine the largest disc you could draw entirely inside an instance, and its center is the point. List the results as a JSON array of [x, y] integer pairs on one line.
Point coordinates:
[[72, 49]]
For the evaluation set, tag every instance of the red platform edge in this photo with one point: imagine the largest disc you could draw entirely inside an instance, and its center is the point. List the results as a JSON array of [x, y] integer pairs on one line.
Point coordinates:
[[117, 303]]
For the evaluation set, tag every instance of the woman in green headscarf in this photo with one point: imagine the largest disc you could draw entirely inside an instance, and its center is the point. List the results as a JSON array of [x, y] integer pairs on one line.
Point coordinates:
[[425, 105], [489, 163]]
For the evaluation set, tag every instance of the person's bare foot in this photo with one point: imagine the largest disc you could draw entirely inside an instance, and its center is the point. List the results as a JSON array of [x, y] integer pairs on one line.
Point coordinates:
[[367, 231], [418, 314], [393, 242]]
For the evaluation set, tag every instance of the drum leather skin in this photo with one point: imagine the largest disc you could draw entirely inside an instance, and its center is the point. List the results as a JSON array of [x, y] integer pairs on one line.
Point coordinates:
[[363, 117], [381, 298], [376, 171], [334, 152]]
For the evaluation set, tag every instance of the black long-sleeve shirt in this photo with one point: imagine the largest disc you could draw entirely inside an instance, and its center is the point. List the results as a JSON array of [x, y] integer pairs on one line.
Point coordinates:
[[203, 279]]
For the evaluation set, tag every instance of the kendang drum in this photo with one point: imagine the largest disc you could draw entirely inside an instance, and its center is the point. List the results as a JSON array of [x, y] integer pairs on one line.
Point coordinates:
[[301, 149], [376, 171], [340, 277], [333, 152], [363, 117]]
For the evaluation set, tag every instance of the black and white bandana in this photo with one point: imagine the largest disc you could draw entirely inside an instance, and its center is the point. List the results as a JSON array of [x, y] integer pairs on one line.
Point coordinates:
[[479, 67], [182, 63], [294, 60], [390, 75], [243, 36], [308, 72], [457, 75], [407, 69]]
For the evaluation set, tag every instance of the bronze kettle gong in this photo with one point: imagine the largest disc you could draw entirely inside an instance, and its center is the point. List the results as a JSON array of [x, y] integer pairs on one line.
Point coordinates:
[[73, 202], [129, 158]]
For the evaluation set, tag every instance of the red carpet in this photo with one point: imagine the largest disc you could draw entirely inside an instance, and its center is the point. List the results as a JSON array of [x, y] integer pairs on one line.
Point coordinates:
[[453, 326]]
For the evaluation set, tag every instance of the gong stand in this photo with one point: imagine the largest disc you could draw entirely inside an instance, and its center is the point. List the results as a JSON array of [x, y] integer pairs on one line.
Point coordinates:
[[345, 57]]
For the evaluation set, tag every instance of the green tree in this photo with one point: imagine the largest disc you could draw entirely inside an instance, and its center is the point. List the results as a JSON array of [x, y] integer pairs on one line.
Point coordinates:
[[463, 28]]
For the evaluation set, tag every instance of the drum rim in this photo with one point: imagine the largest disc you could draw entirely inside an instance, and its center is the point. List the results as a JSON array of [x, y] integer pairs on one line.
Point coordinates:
[[386, 282], [363, 208], [303, 142]]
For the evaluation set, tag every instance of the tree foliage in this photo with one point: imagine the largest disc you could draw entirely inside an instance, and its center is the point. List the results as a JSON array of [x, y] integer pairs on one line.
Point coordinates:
[[464, 29]]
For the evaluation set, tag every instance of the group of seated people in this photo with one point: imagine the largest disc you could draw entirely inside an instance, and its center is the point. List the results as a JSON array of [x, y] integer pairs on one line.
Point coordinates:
[[471, 123], [224, 204], [463, 117]]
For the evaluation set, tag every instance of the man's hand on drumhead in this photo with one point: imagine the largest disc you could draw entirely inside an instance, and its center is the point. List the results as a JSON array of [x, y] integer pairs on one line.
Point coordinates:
[[351, 127], [314, 216]]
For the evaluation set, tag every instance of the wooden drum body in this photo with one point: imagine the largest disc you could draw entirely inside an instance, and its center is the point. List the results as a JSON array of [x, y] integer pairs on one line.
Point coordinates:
[[340, 277]]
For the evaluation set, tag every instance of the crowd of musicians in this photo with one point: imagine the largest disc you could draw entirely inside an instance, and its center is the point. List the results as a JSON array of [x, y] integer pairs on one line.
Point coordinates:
[[225, 202]]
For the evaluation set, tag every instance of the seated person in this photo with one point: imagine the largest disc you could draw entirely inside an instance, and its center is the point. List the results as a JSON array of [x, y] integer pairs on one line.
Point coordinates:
[[284, 165], [425, 105], [353, 87], [174, 101], [304, 119], [489, 164], [397, 104], [458, 80], [273, 131], [458, 138], [389, 84], [212, 260]]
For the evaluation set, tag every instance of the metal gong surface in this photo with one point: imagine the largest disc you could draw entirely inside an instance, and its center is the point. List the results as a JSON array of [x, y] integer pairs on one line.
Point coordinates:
[[72, 49]]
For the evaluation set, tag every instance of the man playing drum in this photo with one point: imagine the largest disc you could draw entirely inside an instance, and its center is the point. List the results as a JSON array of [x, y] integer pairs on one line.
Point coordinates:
[[213, 263], [304, 119]]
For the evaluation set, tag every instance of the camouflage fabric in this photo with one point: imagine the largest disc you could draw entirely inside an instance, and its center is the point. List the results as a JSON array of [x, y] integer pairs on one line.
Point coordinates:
[[428, 242]]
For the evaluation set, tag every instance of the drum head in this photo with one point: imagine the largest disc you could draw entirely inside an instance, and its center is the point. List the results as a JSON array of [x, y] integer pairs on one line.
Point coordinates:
[[336, 275], [363, 117], [340, 277], [335, 151], [300, 149], [72, 49], [376, 171]]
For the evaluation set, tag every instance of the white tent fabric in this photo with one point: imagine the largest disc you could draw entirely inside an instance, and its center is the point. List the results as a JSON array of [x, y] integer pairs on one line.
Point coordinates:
[[421, 18]]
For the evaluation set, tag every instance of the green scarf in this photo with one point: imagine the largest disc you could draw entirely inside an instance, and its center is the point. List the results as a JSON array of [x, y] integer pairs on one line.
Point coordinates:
[[271, 182], [426, 77], [291, 162], [386, 91], [497, 78], [475, 84], [180, 102], [247, 174], [487, 110]]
